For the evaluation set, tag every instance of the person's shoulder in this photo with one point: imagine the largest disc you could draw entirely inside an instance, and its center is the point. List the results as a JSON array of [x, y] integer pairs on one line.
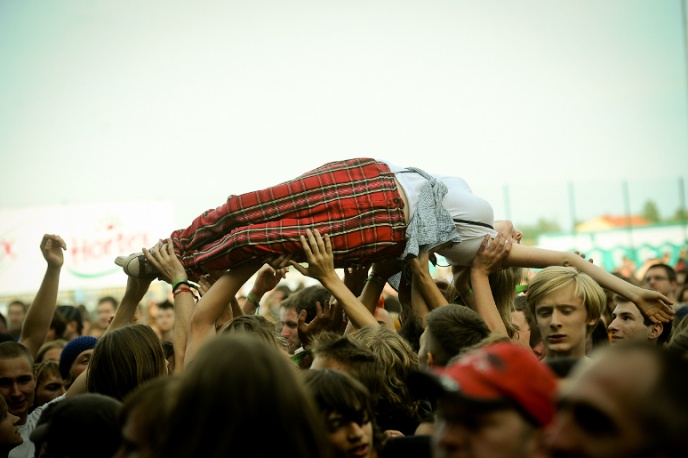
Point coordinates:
[[35, 415]]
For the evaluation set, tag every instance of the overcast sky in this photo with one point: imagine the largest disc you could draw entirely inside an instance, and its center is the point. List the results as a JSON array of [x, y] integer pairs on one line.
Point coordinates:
[[192, 101]]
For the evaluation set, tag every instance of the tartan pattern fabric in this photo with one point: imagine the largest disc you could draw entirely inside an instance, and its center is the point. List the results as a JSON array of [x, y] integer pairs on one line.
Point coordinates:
[[355, 202]]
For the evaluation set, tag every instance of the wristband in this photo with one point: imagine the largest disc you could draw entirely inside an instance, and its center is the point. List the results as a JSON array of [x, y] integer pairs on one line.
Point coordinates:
[[377, 280], [180, 282], [252, 298]]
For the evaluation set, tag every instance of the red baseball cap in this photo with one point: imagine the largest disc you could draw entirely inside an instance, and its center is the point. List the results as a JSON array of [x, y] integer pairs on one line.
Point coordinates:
[[500, 372]]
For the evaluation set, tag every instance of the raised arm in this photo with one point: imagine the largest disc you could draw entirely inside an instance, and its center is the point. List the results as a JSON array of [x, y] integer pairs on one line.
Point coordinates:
[[489, 259], [213, 304], [172, 271], [267, 279], [40, 313], [380, 271], [656, 306], [318, 251]]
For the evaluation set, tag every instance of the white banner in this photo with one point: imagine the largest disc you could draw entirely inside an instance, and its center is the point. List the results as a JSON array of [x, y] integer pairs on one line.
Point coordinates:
[[95, 235]]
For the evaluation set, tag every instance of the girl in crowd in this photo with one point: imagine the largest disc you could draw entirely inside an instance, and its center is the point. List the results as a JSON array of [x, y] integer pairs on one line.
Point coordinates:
[[347, 412]]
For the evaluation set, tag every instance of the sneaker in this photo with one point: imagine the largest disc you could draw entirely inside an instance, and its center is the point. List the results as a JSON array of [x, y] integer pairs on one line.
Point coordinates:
[[136, 265]]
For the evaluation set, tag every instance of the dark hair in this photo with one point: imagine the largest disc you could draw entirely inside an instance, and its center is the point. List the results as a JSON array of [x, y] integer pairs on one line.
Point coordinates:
[[253, 388], [338, 392], [123, 359], [165, 305], [167, 348], [58, 324], [109, 299], [70, 314], [411, 329], [452, 328], [666, 327], [151, 403], [306, 298], [392, 304], [599, 335], [670, 272], [662, 409], [354, 356], [11, 349]]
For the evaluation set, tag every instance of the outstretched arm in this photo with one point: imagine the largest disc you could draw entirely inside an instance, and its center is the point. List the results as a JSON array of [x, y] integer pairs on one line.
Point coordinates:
[[489, 259], [656, 306], [320, 259], [40, 313]]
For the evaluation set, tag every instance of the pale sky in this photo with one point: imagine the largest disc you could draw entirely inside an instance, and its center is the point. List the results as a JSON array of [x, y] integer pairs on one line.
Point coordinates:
[[193, 101]]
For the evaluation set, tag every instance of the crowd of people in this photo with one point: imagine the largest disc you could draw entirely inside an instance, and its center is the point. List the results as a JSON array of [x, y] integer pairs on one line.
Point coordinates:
[[523, 352]]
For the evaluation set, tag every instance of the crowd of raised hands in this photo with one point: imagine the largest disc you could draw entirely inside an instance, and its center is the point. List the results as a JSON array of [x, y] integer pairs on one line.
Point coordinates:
[[232, 359]]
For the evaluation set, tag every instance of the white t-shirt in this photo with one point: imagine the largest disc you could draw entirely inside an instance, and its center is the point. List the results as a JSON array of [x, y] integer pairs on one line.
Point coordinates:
[[465, 208], [27, 448]]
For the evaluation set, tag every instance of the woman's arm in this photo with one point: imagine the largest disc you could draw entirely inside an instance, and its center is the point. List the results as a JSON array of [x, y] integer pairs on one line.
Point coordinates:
[[321, 267], [212, 304], [656, 306], [172, 271], [489, 259]]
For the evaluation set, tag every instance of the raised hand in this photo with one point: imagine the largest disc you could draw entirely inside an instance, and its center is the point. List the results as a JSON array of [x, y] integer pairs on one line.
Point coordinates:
[[491, 255], [280, 262], [328, 318], [204, 283], [355, 278], [655, 306], [318, 251], [268, 278], [52, 247], [166, 262]]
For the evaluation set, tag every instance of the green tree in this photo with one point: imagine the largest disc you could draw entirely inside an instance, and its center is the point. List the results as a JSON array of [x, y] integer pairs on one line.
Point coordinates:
[[531, 232], [681, 215], [650, 211]]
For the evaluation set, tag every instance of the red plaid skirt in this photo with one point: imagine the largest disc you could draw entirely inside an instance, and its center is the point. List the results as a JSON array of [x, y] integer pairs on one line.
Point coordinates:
[[355, 202]]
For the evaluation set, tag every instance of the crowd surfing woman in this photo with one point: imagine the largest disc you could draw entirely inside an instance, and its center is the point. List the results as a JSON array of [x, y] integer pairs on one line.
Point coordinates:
[[372, 211]]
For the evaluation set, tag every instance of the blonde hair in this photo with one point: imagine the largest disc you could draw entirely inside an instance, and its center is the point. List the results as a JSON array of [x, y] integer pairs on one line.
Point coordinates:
[[553, 278]]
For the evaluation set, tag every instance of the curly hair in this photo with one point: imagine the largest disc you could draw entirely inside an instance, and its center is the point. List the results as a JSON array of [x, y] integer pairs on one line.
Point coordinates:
[[398, 360]]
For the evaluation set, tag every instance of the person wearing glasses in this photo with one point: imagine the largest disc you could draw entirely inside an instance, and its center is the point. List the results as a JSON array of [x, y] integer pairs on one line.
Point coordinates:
[[662, 278]]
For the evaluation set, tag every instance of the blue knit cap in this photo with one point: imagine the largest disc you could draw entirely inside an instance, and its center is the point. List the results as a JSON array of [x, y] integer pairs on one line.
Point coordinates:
[[72, 350]]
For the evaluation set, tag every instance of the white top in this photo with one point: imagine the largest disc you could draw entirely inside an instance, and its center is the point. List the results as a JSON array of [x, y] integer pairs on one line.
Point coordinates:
[[27, 448], [463, 206]]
